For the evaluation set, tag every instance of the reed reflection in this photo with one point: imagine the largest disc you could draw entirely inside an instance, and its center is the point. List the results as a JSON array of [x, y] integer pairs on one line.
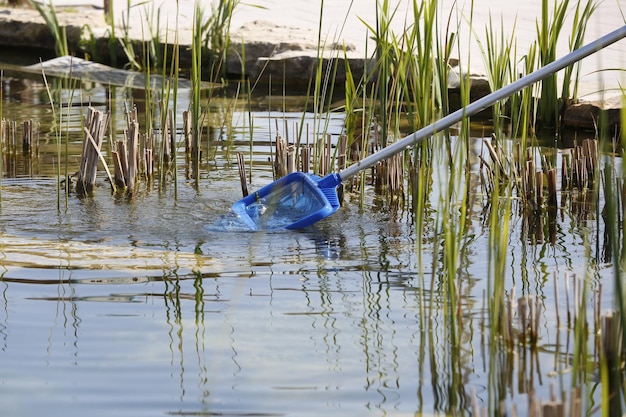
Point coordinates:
[[4, 335], [66, 319]]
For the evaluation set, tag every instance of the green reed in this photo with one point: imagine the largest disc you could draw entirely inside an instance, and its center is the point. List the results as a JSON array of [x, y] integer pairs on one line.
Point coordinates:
[[497, 57], [169, 89], [524, 111], [548, 32], [49, 15], [384, 61], [126, 41], [409, 70], [216, 35], [322, 87], [63, 177], [112, 41], [572, 74], [499, 227], [196, 82], [454, 211], [614, 215], [153, 49]]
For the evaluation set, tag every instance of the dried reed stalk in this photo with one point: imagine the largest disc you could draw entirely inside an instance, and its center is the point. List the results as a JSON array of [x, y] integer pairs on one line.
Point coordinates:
[[187, 133], [95, 129], [148, 155], [280, 160], [342, 154], [496, 158], [132, 169], [119, 162], [242, 174], [126, 156], [305, 158], [538, 189], [8, 145], [552, 189], [324, 153], [27, 137]]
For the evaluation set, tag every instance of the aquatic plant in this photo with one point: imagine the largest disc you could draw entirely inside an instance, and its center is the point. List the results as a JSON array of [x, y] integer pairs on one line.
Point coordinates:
[[572, 74], [550, 106], [126, 42], [614, 337], [215, 34], [58, 137], [524, 104], [548, 31], [58, 32], [496, 54], [196, 80]]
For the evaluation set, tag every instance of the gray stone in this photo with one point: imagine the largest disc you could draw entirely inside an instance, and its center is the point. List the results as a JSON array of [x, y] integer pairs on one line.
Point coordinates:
[[586, 114], [26, 27], [282, 52]]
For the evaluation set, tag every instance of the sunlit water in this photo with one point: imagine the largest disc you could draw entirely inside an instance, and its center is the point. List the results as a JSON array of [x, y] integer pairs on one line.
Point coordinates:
[[168, 305]]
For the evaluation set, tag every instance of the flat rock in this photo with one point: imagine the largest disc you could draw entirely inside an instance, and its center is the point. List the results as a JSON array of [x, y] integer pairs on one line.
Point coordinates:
[[27, 28], [281, 51], [80, 69]]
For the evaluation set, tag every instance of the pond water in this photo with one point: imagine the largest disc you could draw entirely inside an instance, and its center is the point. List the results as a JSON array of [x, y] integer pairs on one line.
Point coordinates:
[[165, 304]]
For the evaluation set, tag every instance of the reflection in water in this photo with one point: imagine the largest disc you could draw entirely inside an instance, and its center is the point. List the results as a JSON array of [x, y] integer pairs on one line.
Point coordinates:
[[5, 314], [64, 320], [301, 322]]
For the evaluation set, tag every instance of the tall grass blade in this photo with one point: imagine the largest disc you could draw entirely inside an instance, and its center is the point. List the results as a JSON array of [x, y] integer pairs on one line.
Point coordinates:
[[48, 13]]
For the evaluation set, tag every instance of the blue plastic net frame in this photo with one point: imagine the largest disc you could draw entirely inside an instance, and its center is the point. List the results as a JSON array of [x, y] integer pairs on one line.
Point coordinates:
[[294, 201]]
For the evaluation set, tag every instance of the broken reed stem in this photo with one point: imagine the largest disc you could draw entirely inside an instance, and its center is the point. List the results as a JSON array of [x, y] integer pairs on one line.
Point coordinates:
[[131, 170], [242, 174], [305, 158], [9, 144], [280, 161], [119, 162], [187, 133], [323, 153], [552, 180], [189, 143], [538, 188], [495, 158], [148, 156], [126, 156], [579, 167], [30, 139], [288, 157], [95, 129]]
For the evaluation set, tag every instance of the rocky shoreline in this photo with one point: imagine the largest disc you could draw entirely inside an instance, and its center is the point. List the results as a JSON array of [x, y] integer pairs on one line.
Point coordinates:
[[276, 51]]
